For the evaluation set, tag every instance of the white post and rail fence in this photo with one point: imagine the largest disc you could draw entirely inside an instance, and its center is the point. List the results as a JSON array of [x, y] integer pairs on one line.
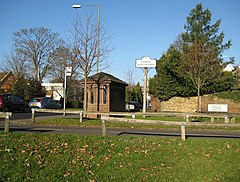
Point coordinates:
[[227, 120]]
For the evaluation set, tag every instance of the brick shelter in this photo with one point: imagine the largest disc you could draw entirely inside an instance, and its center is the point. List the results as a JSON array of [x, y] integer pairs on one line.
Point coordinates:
[[106, 93]]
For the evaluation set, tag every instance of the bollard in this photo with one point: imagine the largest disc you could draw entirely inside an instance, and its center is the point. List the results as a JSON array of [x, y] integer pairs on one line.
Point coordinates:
[[226, 119], [7, 122], [104, 130], [33, 115], [183, 132], [133, 116], [81, 117], [187, 117]]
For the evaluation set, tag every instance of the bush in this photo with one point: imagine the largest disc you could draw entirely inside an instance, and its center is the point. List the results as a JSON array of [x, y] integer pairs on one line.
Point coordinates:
[[232, 95], [76, 104]]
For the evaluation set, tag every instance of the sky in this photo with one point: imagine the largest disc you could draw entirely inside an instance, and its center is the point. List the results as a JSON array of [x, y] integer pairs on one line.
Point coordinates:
[[138, 28]]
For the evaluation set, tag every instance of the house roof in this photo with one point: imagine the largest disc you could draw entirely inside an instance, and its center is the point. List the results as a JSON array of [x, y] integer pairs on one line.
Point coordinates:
[[6, 80], [4, 75], [102, 77], [229, 67]]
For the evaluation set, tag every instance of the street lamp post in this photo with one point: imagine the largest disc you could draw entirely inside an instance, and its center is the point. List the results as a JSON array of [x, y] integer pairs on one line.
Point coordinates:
[[67, 72], [98, 36]]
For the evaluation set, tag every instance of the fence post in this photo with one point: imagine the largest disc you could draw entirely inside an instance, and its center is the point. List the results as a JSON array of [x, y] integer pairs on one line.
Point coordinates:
[[104, 130], [226, 119], [212, 119], [33, 115], [81, 117], [183, 131], [187, 117], [133, 116], [7, 122]]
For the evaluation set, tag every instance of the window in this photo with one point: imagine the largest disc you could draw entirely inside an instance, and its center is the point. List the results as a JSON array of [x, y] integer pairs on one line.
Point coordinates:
[[92, 94], [104, 94]]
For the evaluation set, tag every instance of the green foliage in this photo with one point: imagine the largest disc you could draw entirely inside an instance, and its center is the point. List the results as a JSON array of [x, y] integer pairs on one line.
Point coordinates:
[[225, 82], [232, 95], [27, 88], [134, 93], [193, 64], [202, 48], [39, 157], [168, 82], [76, 104]]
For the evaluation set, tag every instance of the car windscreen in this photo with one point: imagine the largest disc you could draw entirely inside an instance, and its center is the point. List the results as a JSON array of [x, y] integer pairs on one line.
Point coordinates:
[[35, 100]]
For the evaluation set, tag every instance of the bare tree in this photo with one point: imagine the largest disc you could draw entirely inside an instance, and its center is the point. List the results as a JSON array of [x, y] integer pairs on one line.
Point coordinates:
[[130, 76], [61, 60], [130, 79], [89, 47], [37, 46], [202, 66], [14, 63]]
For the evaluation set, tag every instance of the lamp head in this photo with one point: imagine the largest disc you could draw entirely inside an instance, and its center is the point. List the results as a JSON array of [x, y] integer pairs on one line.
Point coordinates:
[[76, 6]]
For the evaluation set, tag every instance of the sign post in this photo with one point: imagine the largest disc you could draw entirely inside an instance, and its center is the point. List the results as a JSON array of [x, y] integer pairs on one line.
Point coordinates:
[[145, 63], [68, 72]]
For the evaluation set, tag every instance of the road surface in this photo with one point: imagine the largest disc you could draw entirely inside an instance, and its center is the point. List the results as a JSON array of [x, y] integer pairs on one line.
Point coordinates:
[[118, 131]]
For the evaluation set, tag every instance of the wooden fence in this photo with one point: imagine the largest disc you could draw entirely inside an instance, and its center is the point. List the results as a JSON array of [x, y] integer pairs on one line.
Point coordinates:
[[229, 119]]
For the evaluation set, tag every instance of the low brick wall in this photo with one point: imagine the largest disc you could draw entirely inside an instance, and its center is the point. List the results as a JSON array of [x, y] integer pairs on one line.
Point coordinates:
[[189, 104]]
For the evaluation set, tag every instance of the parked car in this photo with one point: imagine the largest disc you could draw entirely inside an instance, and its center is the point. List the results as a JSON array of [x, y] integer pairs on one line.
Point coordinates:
[[44, 103], [11, 103], [132, 106]]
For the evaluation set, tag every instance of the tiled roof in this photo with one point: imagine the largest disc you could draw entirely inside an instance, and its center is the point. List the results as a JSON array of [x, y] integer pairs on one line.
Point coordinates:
[[4, 75], [102, 76], [6, 80]]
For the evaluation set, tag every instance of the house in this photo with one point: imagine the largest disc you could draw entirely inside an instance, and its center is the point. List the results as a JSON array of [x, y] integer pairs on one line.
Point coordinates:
[[106, 93], [6, 81], [229, 68]]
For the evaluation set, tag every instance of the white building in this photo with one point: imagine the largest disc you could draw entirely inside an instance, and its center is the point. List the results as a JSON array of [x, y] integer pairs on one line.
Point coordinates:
[[54, 90]]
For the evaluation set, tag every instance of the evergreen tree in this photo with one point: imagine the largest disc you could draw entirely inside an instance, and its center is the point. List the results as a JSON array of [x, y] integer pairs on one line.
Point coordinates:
[[168, 82], [193, 62], [202, 49], [27, 88]]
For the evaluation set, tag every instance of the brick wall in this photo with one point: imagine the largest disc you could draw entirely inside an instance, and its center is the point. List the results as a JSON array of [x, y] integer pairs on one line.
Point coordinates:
[[189, 104]]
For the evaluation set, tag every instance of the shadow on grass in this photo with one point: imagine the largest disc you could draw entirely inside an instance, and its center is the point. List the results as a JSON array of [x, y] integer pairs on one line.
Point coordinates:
[[179, 135]]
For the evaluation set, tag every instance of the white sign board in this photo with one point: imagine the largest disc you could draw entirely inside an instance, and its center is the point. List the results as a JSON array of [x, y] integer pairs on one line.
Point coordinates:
[[146, 62], [217, 108], [68, 71]]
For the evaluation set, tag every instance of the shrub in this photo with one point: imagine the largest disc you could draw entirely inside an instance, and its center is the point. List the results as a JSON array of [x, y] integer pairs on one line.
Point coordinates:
[[76, 104]]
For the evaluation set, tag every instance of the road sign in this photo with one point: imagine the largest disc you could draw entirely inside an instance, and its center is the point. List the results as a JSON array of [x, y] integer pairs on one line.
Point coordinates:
[[146, 62], [68, 71]]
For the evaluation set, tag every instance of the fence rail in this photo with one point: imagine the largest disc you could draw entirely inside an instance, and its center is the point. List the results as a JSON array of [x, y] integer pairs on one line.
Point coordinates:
[[229, 119]]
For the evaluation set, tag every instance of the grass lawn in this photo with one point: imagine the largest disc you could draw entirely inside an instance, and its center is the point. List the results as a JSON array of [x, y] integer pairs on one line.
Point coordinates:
[[97, 122], [52, 157]]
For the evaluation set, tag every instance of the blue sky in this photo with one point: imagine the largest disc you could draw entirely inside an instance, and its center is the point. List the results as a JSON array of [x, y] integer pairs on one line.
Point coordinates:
[[138, 27]]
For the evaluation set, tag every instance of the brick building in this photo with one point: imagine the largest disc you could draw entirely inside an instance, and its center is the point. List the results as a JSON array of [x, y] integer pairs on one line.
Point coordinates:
[[106, 93], [6, 81]]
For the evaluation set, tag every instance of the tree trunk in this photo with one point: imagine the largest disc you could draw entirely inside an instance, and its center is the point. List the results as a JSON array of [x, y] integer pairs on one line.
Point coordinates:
[[85, 93], [198, 99]]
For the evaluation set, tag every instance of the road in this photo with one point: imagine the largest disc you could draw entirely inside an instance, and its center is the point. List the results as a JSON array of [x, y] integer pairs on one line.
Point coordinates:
[[28, 116], [110, 131]]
